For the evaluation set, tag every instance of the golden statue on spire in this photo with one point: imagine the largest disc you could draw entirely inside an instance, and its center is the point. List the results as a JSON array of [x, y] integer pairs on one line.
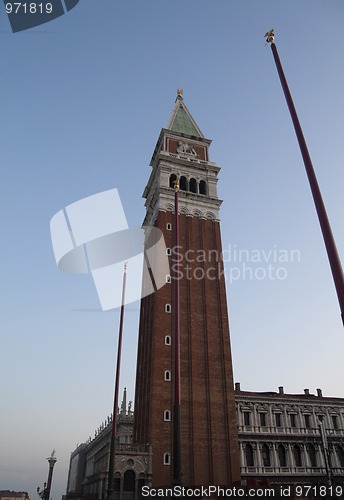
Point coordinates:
[[180, 93], [270, 36]]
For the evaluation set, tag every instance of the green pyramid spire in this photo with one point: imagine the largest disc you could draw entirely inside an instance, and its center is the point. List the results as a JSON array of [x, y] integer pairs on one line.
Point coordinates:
[[181, 119]]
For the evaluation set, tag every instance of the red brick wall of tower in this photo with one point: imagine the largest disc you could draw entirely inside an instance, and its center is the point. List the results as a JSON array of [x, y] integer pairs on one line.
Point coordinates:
[[210, 454]]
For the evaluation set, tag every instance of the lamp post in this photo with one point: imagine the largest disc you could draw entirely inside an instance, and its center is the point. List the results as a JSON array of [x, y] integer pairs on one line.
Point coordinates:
[[45, 493], [326, 450]]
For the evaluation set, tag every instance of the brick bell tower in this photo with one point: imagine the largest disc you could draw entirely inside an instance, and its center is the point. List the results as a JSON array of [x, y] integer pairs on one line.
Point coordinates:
[[208, 429]]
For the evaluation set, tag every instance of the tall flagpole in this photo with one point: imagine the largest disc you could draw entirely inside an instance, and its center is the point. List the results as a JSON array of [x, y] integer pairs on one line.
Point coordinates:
[[176, 407], [110, 487], [332, 253]]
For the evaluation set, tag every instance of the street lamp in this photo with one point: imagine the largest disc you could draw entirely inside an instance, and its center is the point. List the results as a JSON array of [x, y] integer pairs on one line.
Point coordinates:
[[45, 492], [325, 449]]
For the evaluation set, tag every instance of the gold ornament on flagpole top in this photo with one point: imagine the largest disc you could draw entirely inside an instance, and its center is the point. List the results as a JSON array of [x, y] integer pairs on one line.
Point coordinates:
[[270, 36], [176, 185]]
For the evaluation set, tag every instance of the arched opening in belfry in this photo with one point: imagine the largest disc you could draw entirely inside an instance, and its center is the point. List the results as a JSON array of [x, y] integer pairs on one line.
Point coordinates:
[[193, 185], [183, 183], [173, 179], [203, 187]]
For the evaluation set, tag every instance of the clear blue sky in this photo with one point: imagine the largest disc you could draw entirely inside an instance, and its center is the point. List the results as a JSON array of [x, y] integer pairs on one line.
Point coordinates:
[[83, 100]]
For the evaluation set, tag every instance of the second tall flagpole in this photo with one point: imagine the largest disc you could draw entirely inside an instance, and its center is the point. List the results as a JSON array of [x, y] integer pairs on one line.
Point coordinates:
[[177, 475], [110, 487], [332, 253]]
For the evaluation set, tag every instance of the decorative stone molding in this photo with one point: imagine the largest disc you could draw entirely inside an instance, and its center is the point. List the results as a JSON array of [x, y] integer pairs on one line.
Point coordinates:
[[123, 463], [277, 408], [262, 407]]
